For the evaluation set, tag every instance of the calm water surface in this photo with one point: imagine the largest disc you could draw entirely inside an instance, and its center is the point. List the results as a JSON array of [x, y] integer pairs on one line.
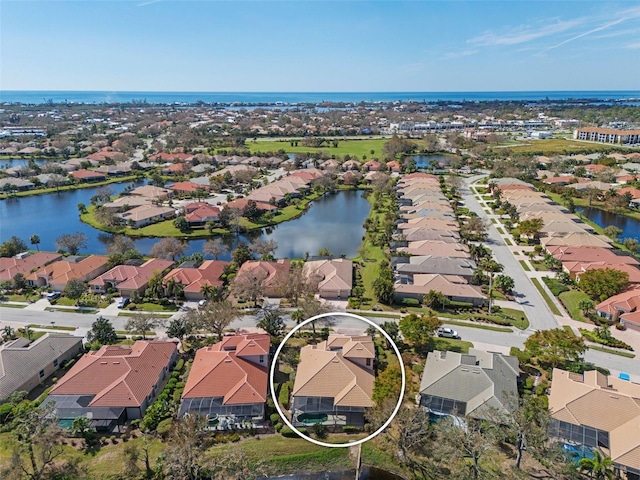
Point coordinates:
[[630, 226], [334, 221]]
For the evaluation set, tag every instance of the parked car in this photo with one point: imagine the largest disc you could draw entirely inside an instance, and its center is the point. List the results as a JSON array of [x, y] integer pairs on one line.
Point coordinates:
[[202, 303], [123, 302], [54, 295], [184, 308], [446, 332]]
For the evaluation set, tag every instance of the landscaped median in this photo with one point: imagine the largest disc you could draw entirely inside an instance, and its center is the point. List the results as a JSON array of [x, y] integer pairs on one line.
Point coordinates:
[[550, 304]]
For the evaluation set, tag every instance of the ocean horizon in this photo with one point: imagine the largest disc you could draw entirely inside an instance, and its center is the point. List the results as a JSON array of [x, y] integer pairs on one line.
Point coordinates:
[[36, 97]]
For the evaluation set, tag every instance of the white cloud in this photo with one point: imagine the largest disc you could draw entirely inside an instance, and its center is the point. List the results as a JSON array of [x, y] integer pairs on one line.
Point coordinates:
[[523, 34], [462, 53], [633, 46]]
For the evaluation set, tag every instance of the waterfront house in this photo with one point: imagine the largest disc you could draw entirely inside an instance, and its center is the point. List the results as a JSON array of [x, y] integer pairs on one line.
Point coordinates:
[[25, 263], [334, 381], [227, 382], [193, 279], [335, 277], [598, 412], [198, 214], [272, 275], [151, 192], [57, 274], [17, 184], [480, 385], [24, 364], [129, 278], [188, 189], [146, 215], [407, 267], [85, 175], [113, 385], [453, 287]]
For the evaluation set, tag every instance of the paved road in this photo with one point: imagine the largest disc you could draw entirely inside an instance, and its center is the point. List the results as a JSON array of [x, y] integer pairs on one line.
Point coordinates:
[[536, 309]]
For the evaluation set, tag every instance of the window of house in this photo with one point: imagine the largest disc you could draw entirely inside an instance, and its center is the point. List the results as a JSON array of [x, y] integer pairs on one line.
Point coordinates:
[[261, 358], [55, 362], [368, 362], [41, 373]]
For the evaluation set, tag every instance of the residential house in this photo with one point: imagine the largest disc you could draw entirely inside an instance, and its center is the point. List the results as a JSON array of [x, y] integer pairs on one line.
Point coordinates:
[[453, 287], [273, 275], [227, 382], [436, 248], [129, 278], [18, 184], [25, 364], [114, 384], [480, 385], [407, 267], [335, 277], [193, 279], [241, 203], [198, 214], [24, 264], [84, 175], [146, 215], [576, 239], [56, 275], [598, 411], [151, 192], [623, 308], [334, 381], [188, 188]]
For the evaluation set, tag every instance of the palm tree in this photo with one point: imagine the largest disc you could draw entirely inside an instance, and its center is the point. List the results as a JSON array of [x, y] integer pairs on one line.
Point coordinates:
[[35, 240], [491, 266], [599, 467], [297, 316]]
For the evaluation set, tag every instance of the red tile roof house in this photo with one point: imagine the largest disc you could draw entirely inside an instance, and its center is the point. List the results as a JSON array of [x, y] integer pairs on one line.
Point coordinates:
[[622, 307], [199, 214], [114, 384], [193, 279], [170, 157], [146, 215], [129, 278], [227, 382], [188, 188], [88, 176], [178, 168], [394, 166], [335, 277], [334, 381], [56, 275], [372, 166], [272, 274], [240, 203], [24, 264]]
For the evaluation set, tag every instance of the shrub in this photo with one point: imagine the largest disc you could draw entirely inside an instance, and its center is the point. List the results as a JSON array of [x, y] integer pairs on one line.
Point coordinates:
[[123, 437], [350, 429], [277, 427], [287, 432], [176, 396], [164, 427], [417, 368], [179, 365], [283, 396], [175, 374], [410, 302], [113, 439], [319, 430], [275, 418]]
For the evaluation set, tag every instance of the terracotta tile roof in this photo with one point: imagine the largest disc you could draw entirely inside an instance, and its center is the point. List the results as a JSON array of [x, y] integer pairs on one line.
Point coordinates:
[[628, 301], [328, 373], [240, 203], [10, 266], [64, 270], [131, 276], [222, 370], [169, 157], [334, 274], [590, 254], [194, 279], [635, 193], [118, 376], [187, 187], [201, 213], [86, 174], [273, 274]]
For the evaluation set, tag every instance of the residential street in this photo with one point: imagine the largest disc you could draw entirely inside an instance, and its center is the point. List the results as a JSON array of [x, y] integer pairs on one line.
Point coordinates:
[[536, 309]]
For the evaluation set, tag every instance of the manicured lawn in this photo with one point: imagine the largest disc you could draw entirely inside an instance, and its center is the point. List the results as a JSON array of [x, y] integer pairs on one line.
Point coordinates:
[[500, 230], [559, 146], [539, 266], [9, 305], [552, 306], [482, 326], [155, 314], [525, 266], [611, 350], [351, 147], [452, 345], [517, 317], [17, 298], [571, 300], [71, 310], [494, 221], [508, 242], [52, 327], [153, 307]]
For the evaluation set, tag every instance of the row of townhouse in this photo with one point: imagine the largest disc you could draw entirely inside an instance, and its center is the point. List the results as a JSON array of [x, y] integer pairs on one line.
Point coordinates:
[[428, 254]]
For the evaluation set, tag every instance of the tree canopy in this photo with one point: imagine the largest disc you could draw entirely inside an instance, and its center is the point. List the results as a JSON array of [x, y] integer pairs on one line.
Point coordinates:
[[601, 284]]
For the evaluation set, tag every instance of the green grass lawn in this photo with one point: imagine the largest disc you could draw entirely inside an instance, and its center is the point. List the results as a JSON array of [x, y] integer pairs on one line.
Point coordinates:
[[517, 317], [508, 242], [9, 305], [539, 266], [482, 326], [552, 306], [524, 265], [622, 353], [452, 345], [152, 307], [52, 327], [352, 147], [72, 310], [559, 146], [571, 300]]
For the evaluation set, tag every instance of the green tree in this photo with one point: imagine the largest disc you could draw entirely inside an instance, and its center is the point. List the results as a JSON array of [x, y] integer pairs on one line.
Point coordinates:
[[270, 320], [601, 284], [612, 232], [12, 247], [387, 385], [393, 330], [436, 300], [586, 306], [75, 288], [143, 323], [241, 254], [555, 348], [102, 332], [419, 329], [504, 283], [598, 467], [531, 228], [178, 328], [82, 208], [35, 240], [181, 224], [213, 317], [631, 244], [383, 285], [81, 427]]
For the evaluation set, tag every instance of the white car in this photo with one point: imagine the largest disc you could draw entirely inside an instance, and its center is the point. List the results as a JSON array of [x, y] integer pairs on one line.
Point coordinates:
[[447, 333]]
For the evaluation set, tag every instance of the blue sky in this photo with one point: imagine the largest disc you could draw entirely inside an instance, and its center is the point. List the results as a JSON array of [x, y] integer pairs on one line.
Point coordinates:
[[312, 45]]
